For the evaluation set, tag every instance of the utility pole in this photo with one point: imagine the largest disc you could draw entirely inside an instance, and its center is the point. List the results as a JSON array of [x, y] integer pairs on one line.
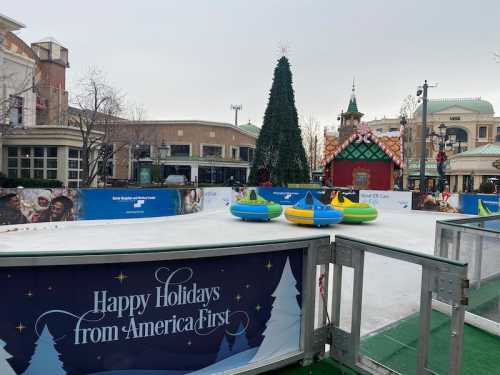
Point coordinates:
[[236, 108], [423, 138]]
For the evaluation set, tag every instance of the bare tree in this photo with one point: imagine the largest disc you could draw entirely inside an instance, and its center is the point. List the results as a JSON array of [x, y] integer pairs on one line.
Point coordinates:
[[13, 85], [98, 107], [408, 107], [312, 138]]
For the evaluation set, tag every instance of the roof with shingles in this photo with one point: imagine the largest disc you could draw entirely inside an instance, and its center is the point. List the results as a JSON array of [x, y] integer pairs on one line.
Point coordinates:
[[391, 145]]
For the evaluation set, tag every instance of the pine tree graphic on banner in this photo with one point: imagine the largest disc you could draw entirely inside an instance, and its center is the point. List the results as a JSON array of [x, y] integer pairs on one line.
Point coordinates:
[[5, 368], [224, 350], [241, 341], [282, 333], [45, 359]]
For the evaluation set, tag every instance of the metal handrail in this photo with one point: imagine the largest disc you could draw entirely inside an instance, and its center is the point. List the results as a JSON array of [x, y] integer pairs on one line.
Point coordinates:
[[445, 278]]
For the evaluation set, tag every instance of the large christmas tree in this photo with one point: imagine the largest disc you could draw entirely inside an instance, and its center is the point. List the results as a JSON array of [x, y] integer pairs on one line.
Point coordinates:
[[280, 156]]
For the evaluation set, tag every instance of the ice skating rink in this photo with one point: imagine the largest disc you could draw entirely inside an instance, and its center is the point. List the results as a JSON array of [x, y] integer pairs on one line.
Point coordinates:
[[391, 288]]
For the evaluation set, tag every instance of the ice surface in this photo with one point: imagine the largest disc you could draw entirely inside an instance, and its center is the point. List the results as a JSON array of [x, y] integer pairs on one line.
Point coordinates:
[[412, 230]]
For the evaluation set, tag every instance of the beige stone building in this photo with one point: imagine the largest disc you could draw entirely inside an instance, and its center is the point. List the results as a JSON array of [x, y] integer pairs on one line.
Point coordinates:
[[470, 123], [205, 152], [34, 142], [467, 170]]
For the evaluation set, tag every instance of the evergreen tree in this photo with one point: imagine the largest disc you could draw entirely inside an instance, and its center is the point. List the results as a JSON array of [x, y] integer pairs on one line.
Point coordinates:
[[5, 368], [280, 154], [224, 350], [45, 359], [240, 341], [282, 333]]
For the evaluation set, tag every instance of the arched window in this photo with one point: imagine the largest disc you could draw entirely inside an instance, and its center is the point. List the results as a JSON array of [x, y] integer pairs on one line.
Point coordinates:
[[457, 135]]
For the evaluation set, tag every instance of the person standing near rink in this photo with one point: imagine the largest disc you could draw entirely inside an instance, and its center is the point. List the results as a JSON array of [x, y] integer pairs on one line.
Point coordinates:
[[10, 210]]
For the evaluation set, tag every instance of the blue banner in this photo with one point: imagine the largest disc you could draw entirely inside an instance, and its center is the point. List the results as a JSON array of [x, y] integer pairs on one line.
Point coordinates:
[[469, 202], [290, 196], [96, 204], [198, 316]]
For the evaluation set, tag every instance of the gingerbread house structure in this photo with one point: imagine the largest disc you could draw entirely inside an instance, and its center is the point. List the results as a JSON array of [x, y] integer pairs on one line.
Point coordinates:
[[363, 160]]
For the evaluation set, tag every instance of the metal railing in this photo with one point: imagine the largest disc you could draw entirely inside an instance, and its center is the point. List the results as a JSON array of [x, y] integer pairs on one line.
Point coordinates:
[[475, 241], [446, 279]]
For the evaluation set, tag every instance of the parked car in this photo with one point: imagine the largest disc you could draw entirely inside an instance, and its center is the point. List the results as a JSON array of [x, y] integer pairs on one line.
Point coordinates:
[[176, 180]]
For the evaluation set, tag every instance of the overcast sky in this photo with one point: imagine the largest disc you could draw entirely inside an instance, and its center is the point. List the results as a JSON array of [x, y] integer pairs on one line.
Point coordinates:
[[193, 59]]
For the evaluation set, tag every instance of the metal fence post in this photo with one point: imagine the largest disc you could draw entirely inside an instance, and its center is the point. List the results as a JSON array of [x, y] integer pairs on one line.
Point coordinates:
[[456, 245], [336, 294], [425, 321], [456, 339], [357, 301], [478, 259], [308, 303]]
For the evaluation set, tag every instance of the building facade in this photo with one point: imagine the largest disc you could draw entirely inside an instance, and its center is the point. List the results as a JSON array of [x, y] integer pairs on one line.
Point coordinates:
[[470, 123], [34, 140], [467, 170], [205, 152]]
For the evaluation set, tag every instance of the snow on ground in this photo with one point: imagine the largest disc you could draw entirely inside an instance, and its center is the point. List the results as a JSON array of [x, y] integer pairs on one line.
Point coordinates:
[[391, 288]]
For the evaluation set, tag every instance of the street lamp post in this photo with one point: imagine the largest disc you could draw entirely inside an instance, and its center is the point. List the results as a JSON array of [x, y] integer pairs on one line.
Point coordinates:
[[402, 135], [441, 155], [423, 137]]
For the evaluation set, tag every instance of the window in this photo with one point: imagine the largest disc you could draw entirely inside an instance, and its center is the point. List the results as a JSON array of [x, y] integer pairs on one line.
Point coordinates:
[[234, 153], [52, 152], [39, 152], [74, 167], [393, 129], [211, 151], [51, 174], [12, 152], [360, 179], [142, 152], [246, 154], [16, 110], [482, 131], [32, 162], [180, 150], [497, 138]]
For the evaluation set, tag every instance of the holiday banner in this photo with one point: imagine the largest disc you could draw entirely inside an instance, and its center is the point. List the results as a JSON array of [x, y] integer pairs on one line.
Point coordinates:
[[98, 204], [198, 316], [22, 206]]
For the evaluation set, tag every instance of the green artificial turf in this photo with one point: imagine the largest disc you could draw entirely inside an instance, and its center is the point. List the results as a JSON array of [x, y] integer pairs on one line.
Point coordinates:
[[324, 367], [396, 347]]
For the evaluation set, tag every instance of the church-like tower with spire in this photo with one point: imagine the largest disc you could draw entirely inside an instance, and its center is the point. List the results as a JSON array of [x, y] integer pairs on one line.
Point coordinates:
[[350, 120]]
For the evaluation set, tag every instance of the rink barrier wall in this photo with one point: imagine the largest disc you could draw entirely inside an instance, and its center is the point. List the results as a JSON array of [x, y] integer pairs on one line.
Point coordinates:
[[110, 204], [289, 280], [469, 202], [181, 303]]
